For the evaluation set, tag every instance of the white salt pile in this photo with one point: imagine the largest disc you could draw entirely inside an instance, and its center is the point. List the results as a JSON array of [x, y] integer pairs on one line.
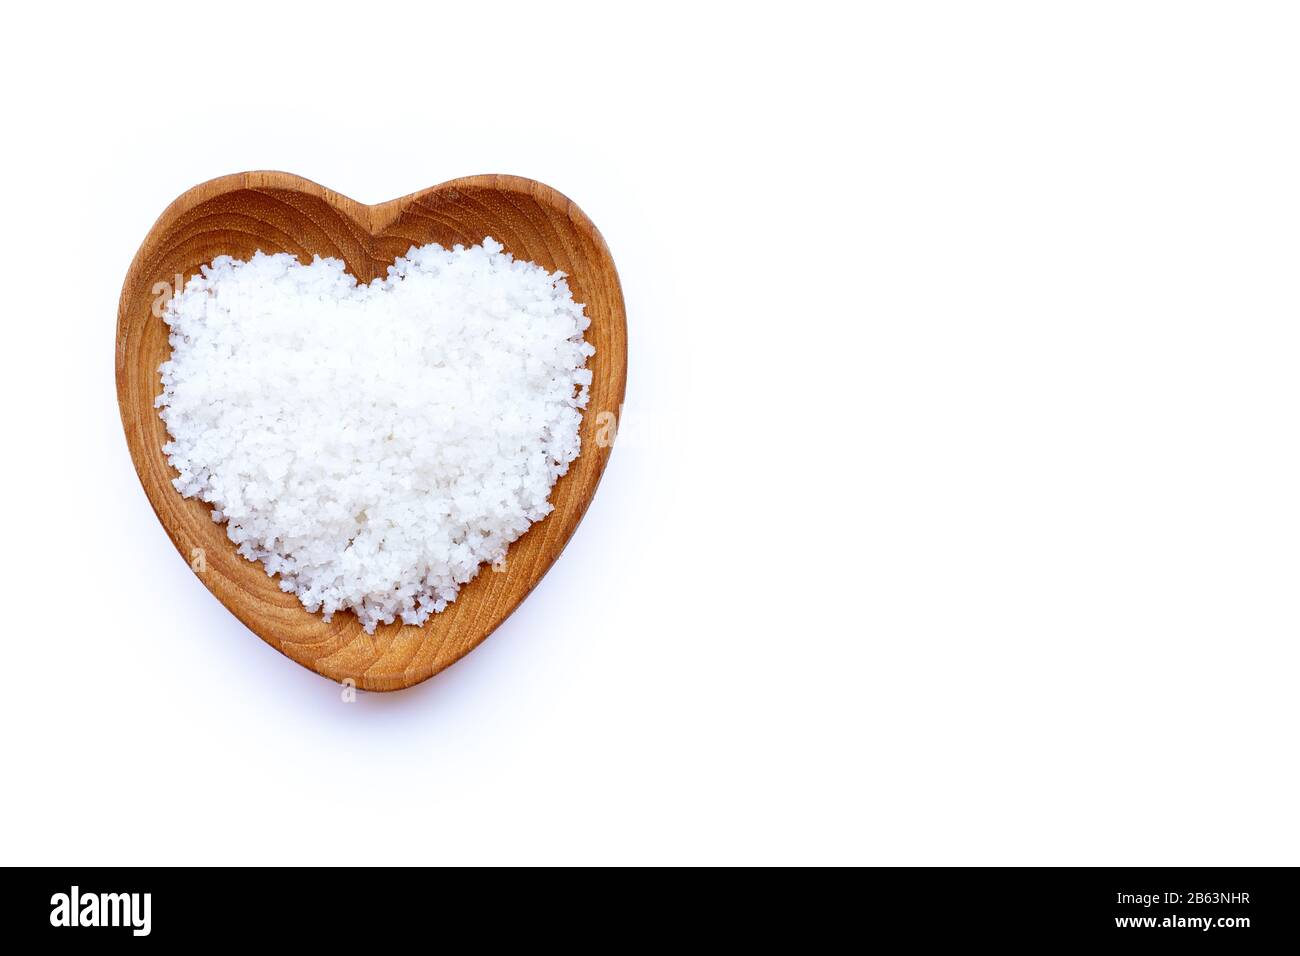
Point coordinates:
[[375, 444]]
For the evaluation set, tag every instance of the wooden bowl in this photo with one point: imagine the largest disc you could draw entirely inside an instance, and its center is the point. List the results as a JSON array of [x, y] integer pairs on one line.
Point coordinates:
[[279, 212]]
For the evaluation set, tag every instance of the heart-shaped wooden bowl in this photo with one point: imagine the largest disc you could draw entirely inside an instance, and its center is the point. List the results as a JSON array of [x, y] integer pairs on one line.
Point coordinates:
[[279, 212]]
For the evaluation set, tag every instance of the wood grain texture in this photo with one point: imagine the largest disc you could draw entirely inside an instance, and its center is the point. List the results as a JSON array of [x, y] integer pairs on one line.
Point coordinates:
[[280, 212]]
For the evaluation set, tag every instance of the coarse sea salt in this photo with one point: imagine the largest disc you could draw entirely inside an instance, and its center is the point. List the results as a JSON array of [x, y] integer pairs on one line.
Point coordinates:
[[375, 445]]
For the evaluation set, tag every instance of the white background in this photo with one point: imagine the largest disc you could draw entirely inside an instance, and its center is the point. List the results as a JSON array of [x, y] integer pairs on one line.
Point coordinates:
[[957, 514]]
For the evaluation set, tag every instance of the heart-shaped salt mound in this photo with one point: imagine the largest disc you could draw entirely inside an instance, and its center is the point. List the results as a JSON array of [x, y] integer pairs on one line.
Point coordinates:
[[374, 445]]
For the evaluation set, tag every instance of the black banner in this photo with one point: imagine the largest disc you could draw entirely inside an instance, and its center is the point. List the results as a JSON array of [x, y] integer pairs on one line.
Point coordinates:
[[1230, 908]]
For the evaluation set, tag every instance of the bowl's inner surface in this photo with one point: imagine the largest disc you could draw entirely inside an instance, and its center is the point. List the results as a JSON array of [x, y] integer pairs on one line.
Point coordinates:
[[280, 213]]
